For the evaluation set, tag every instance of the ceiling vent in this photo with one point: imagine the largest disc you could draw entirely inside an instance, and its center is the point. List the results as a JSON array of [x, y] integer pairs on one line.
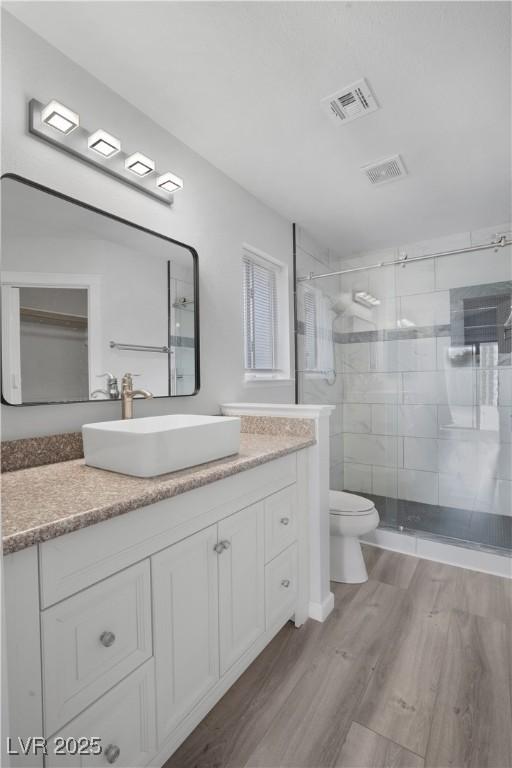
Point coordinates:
[[390, 169], [349, 103]]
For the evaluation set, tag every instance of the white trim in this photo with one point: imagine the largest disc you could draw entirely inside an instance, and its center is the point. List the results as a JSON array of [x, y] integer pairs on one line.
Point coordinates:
[[262, 257], [11, 353], [320, 611], [440, 552], [283, 353], [256, 380], [317, 493], [92, 283], [290, 410]]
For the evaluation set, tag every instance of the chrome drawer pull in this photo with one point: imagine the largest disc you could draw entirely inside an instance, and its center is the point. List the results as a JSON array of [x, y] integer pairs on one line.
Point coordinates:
[[107, 639], [284, 520], [112, 752], [285, 583]]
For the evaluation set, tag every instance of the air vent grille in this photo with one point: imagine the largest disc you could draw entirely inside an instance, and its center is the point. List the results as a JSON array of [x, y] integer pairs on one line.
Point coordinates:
[[351, 102], [390, 169]]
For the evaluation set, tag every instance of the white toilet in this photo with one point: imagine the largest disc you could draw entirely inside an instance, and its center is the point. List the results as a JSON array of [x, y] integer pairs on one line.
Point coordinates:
[[350, 516]]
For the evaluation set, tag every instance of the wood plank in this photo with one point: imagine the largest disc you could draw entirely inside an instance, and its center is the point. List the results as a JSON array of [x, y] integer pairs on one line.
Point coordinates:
[[399, 701], [233, 728], [361, 626], [473, 711], [310, 728], [395, 569], [378, 660], [483, 594], [371, 556], [365, 749], [434, 587]]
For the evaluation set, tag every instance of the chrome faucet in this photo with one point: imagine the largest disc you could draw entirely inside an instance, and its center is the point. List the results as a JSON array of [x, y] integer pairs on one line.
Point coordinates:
[[111, 390], [128, 393]]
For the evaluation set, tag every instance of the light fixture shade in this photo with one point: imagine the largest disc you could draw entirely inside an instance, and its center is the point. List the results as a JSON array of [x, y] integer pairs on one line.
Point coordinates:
[[103, 143], [139, 164], [366, 299], [169, 181], [60, 117]]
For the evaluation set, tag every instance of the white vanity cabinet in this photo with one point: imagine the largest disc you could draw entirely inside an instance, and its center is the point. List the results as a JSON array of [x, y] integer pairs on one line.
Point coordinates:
[[133, 628], [186, 624], [241, 583]]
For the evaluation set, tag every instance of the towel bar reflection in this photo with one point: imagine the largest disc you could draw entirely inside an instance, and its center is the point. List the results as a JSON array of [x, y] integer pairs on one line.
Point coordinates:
[[138, 347]]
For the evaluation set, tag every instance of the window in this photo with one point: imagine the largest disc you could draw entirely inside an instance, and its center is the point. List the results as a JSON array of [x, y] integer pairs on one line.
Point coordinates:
[[265, 316]]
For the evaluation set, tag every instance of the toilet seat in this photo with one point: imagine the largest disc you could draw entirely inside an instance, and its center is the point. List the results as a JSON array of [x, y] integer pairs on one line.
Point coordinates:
[[342, 503]]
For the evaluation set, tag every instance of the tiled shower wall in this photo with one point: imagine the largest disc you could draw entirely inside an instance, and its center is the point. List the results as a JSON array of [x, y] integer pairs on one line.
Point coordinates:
[[418, 417]]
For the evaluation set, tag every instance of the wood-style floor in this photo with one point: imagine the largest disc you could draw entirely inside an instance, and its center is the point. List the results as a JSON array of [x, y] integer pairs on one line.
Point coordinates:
[[412, 670]]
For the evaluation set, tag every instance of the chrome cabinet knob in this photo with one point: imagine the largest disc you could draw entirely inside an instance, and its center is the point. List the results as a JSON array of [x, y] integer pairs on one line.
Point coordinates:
[[284, 520], [221, 546], [285, 583], [112, 752], [226, 544], [107, 639]]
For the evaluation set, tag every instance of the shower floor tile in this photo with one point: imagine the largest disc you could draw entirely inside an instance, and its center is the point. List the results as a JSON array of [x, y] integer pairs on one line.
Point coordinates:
[[475, 529]]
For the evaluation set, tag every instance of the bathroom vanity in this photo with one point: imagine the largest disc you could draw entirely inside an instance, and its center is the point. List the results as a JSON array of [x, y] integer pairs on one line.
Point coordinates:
[[133, 604]]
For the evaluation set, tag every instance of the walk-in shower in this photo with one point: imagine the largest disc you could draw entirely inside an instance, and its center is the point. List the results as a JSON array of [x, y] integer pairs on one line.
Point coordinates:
[[413, 347]]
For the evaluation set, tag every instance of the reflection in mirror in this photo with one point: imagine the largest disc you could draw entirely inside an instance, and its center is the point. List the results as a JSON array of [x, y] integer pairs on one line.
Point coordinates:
[[87, 298]]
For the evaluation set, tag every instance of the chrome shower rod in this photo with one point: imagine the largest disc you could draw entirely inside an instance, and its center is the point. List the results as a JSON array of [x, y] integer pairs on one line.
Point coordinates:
[[500, 242]]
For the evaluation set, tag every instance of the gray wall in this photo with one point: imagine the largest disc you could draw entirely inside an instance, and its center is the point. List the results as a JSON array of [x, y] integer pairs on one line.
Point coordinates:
[[212, 213]]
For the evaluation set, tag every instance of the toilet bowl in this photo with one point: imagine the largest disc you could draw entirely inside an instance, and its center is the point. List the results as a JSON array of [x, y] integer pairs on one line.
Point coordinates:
[[350, 516]]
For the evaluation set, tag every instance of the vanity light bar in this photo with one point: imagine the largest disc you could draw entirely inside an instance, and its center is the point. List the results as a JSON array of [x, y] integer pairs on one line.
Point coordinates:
[[366, 299], [170, 182], [60, 126], [405, 323], [139, 164], [104, 143], [60, 117]]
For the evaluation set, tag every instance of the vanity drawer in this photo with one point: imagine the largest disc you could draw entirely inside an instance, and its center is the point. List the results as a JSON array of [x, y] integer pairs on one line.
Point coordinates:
[[92, 640], [281, 586], [124, 722], [280, 521]]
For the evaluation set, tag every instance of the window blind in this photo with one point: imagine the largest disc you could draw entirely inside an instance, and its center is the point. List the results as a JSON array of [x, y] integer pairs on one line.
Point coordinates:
[[260, 314], [310, 331]]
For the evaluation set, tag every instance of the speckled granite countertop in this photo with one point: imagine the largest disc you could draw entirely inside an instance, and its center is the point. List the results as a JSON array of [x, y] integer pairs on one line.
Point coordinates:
[[44, 502]]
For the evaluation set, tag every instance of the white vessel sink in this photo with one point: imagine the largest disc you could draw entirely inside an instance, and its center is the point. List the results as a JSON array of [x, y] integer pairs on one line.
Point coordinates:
[[159, 444]]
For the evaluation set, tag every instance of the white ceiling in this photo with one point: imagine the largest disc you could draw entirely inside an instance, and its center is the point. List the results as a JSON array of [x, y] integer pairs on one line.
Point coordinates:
[[241, 84]]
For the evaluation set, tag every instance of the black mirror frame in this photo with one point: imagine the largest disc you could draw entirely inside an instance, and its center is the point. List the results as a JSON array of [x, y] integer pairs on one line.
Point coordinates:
[[119, 219]]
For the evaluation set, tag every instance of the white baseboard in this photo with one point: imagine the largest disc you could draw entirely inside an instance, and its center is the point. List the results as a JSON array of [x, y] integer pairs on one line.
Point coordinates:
[[320, 611], [441, 552]]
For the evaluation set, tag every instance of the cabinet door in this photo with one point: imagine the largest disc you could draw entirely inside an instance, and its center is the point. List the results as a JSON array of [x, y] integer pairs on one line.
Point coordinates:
[[241, 583], [186, 630]]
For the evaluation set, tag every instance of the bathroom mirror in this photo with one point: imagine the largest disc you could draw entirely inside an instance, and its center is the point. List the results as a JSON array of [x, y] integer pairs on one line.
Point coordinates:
[[87, 297]]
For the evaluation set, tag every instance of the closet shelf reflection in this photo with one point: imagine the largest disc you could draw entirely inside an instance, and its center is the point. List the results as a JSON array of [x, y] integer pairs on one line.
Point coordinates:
[[47, 317], [138, 347]]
